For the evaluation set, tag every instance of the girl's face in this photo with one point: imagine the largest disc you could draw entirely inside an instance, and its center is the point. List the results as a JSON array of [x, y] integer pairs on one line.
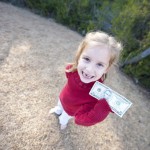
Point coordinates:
[[93, 63]]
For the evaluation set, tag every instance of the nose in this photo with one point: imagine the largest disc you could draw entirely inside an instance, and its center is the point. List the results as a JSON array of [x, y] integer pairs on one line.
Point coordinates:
[[90, 68]]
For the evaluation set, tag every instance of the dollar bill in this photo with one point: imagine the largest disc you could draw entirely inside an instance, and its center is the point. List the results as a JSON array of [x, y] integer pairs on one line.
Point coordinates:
[[118, 103]]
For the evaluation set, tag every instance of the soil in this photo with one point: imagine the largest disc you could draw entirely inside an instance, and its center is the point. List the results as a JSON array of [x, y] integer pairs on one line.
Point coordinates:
[[33, 53]]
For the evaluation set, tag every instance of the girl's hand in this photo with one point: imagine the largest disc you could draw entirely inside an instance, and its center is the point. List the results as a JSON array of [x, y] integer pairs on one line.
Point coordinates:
[[89, 115]]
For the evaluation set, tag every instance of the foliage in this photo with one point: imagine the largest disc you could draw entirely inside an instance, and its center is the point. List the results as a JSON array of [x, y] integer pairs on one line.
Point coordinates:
[[140, 72], [16, 2], [82, 16], [132, 26]]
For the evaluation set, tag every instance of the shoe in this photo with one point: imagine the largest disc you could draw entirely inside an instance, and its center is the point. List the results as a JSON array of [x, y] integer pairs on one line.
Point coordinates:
[[62, 127], [57, 110]]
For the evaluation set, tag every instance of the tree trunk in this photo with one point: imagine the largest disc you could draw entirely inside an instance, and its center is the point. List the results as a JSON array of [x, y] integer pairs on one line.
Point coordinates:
[[137, 58]]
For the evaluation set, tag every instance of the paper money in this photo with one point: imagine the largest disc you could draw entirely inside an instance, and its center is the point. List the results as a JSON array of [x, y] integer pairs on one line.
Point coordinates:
[[118, 103]]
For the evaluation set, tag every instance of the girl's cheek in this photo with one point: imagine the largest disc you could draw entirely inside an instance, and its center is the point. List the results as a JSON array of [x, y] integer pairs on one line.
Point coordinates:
[[81, 63], [100, 72]]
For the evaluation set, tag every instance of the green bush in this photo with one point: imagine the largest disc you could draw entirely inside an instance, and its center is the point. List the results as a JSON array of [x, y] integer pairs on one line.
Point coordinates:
[[140, 72], [16, 2], [132, 26]]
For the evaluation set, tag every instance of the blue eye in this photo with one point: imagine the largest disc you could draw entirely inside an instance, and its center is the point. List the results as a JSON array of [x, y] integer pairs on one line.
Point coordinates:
[[86, 59], [100, 65]]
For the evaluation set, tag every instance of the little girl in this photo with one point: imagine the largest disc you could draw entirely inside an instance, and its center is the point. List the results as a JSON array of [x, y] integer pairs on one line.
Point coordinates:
[[96, 53]]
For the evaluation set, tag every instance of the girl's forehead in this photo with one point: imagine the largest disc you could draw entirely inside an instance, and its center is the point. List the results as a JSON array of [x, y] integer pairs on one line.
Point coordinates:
[[96, 48], [98, 53]]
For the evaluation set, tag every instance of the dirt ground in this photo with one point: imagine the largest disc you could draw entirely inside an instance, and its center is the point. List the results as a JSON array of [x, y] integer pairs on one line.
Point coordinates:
[[33, 53]]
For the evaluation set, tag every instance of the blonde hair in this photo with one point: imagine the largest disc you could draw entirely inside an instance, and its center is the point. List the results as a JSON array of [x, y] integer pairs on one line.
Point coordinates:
[[98, 38]]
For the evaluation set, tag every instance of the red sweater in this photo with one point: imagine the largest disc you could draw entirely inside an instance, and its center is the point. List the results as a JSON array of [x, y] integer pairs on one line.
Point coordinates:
[[77, 102]]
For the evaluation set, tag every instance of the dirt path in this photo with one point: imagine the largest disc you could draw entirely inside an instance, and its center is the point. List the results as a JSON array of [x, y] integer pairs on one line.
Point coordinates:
[[33, 53]]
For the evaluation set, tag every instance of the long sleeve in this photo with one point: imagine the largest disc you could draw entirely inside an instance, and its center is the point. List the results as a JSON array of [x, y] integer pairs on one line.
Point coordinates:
[[89, 115]]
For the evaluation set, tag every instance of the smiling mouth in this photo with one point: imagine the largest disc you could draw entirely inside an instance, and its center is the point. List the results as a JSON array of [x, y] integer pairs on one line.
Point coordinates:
[[87, 76]]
